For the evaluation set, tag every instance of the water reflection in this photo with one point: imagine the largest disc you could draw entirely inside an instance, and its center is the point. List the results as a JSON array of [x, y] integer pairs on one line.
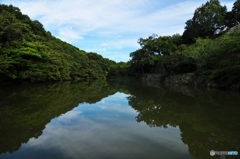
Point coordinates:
[[26, 109], [208, 120], [47, 121]]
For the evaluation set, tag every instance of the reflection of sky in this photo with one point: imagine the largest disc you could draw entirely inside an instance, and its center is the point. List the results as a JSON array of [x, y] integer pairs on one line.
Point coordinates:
[[106, 129]]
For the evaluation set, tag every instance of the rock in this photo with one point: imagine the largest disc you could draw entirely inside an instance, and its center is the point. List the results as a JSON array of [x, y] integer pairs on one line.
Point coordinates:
[[234, 29], [180, 79], [212, 85], [184, 79]]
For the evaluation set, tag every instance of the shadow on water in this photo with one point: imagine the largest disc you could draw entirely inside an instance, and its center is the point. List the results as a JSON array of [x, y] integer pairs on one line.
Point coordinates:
[[208, 119]]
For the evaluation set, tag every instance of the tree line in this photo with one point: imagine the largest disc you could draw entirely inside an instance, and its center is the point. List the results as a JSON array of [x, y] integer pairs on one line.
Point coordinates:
[[29, 53], [209, 47]]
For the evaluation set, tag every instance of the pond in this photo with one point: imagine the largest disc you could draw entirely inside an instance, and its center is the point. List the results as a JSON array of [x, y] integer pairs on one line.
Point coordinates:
[[117, 120]]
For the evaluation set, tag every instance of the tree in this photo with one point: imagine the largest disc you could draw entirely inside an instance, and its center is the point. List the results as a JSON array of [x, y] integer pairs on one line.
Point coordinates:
[[141, 58], [236, 11], [233, 16], [208, 21], [154, 52], [28, 53], [11, 29], [160, 45]]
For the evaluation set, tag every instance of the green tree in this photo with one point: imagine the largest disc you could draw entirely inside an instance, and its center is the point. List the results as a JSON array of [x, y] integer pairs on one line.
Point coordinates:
[[160, 45], [208, 21], [154, 52], [141, 59], [28, 53], [11, 30], [233, 16], [236, 11]]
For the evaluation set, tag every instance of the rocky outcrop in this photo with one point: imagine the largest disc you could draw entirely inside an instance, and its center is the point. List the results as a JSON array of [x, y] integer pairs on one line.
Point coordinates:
[[184, 79], [234, 29], [180, 79]]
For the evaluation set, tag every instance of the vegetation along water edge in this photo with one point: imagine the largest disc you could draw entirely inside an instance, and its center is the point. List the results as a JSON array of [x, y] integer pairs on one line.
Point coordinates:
[[207, 53]]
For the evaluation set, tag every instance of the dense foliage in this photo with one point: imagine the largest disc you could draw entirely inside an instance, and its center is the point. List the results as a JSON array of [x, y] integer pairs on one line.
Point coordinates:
[[208, 21], [209, 47], [29, 53]]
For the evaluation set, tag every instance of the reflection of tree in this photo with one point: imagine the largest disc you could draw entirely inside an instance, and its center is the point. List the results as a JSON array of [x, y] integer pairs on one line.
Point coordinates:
[[207, 120], [26, 109]]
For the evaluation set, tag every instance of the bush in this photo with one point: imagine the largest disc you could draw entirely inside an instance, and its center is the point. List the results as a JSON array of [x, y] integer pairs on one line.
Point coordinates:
[[227, 76]]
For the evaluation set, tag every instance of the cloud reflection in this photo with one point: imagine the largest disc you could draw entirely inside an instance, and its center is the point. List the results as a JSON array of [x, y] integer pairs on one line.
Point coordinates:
[[106, 129]]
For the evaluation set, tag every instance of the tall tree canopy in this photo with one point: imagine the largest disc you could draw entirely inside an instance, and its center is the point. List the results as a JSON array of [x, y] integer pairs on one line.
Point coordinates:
[[160, 45], [236, 11], [153, 50], [208, 20], [233, 16]]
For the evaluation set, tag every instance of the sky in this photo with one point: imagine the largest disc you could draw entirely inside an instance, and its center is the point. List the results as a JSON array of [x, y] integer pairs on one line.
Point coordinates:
[[110, 28]]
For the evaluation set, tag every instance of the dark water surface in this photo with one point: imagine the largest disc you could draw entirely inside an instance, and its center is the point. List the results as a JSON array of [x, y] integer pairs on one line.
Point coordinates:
[[116, 120]]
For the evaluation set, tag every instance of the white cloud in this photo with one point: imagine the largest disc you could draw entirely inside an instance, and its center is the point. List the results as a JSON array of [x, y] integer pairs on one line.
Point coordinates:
[[70, 115], [68, 34], [105, 129], [110, 26], [104, 44]]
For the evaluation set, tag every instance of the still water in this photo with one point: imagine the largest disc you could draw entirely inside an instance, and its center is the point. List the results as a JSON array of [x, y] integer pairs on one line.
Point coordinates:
[[117, 120]]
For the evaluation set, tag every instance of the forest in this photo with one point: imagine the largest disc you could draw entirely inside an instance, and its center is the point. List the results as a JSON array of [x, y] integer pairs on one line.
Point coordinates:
[[209, 47], [29, 53]]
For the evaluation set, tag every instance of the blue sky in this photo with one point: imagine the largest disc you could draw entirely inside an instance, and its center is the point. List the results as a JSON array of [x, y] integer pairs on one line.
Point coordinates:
[[110, 27]]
